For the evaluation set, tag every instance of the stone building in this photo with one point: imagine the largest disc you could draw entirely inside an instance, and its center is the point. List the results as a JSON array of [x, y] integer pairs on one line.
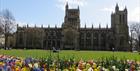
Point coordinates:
[[71, 36]]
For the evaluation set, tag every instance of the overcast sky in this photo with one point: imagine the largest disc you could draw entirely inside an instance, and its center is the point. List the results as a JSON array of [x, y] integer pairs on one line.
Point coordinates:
[[52, 11]]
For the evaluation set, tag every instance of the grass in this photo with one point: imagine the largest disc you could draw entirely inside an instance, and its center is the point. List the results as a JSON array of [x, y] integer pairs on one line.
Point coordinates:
[[65, 54]]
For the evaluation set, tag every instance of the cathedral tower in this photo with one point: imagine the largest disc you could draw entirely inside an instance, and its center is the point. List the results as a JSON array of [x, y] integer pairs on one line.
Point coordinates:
[[70, 28], [120, 28]]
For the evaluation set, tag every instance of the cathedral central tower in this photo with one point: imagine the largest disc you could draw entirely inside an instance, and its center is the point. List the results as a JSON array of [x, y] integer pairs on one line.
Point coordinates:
[[71, 27]]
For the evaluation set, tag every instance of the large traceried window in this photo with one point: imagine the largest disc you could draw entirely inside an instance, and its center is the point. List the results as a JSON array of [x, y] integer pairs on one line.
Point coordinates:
[[82, 39], [21, 38], [95, 39], [88, 39], [103, 39]]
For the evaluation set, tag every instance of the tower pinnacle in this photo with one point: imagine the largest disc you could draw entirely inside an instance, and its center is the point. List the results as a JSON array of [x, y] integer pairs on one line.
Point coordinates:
[[67, 6], [117, 8]]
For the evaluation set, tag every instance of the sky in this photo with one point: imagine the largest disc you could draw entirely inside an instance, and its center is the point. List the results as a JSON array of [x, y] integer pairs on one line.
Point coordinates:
[[52, 12]]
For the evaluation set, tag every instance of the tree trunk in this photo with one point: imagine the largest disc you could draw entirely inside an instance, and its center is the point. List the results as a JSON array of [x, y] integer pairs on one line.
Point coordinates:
[[6, 39], [139, 43]]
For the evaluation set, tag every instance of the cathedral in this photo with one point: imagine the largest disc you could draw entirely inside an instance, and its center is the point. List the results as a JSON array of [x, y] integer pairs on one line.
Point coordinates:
[[72, 37]]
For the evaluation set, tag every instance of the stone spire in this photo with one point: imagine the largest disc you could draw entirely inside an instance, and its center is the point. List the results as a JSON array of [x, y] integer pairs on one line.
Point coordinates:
[[99, 26], [55, 26], [41, 26], [117, 8], [27, 26], [67, 6], [17, 26], [78, 7], [48, 26], [125, 9], [106, 25], [92, 25], [35, 25]]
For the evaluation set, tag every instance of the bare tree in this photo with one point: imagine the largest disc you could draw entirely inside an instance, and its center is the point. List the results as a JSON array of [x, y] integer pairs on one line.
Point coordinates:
[[7, 24], [1, 26], [135, 30], [1, 23]]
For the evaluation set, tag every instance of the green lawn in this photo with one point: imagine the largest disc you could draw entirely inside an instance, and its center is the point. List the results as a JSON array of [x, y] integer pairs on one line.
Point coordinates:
[[64, 54]]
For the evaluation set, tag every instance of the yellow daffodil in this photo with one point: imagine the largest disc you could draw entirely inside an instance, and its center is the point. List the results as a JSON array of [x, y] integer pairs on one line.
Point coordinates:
[[94, 65]]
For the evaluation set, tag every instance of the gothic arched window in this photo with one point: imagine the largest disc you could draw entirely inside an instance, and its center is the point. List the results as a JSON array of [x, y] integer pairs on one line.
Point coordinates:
[[88, 34], [95, 39]]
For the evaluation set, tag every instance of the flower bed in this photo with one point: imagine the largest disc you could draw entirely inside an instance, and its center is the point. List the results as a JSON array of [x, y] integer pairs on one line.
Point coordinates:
[[11, 63]]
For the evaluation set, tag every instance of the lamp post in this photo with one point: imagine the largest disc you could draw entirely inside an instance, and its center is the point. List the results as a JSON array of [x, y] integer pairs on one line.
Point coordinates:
[[138, 43], [113, 51], [131, 39], [50, 48], [112, 45]]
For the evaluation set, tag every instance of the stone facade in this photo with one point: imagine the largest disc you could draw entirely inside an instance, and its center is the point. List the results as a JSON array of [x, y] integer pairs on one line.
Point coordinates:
[[72, 36]]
